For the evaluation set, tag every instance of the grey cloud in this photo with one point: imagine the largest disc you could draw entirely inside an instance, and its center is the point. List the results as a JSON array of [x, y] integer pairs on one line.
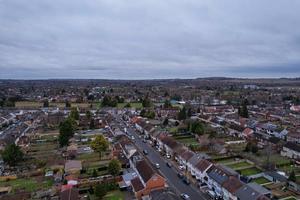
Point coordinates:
[[148, 39]]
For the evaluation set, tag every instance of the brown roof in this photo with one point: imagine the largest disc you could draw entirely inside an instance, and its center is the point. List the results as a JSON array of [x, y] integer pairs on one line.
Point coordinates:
[[69, 194], [187, 155], [145, 170], [232, 184], [203, 165], [137, 184], [170, 142]]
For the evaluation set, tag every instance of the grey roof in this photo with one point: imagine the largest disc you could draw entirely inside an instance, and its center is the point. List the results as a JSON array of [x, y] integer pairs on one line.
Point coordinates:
[[259, 188], [217, 174], [276, 176], [247, 193]]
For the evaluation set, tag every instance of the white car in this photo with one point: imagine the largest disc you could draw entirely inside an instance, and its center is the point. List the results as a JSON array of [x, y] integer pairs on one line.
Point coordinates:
[[185, 196], [181, 167], [168, 156], [157, 166]]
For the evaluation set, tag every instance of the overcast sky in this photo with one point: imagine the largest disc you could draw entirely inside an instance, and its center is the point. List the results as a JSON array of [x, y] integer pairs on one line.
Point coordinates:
[[142, 39]]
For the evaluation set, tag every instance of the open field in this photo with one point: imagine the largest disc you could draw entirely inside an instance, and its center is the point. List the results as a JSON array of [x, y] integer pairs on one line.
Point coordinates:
[[186, 139], [35, 104], [260, 180], [136, 105], [239, 165], [250, 171], [29, 184]]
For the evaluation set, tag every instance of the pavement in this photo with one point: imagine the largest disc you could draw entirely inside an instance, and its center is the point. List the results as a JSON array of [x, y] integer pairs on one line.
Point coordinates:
[[169, 173]]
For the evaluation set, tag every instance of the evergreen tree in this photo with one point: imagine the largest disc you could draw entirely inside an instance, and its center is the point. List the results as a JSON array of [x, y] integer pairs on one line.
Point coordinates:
[[182, 114], [12, 154], [292, 176]]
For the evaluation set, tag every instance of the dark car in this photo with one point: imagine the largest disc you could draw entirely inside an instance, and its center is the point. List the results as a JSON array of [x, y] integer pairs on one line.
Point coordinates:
[[180, 175], [169, 164], [145, 152], [186, 181]]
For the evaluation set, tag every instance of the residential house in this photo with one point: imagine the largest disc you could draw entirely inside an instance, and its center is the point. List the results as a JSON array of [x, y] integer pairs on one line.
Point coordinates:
[[169, 145], [217, 175], [293, 137], [201, 170], [148, 180], [291, 150], [246, 192], [230, 186], [274, 177], [194, 160], [247, 133], [184, 157]]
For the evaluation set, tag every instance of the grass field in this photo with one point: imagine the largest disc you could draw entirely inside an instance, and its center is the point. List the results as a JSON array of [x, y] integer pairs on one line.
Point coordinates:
[[186, 139], [261, 180], [226, 160], [239, 165], [34, 104], [136, 105], [250, 171], [29, 185], [115, 195]]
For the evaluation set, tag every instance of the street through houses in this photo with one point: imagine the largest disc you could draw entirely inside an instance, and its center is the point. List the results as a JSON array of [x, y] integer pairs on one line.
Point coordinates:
[[169, 173]]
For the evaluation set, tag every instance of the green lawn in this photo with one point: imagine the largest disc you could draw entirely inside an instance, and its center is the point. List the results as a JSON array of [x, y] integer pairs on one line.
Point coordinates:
[[239, 165], [186, 139], [29, 185], [261, 180], [250, 171], [114, 195], [226, 160]]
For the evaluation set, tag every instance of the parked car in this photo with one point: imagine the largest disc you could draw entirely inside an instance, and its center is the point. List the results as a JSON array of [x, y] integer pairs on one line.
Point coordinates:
[[168, 156], [157, 165], [186, 181], [184, 196], [144, 140], [181, 167], [180, 175], [201, 185], [145, 152], [169, 164], [211, 193]]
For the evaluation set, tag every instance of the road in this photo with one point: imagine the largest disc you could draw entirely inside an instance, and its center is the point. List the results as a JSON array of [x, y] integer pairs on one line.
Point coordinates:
[[169, 173]]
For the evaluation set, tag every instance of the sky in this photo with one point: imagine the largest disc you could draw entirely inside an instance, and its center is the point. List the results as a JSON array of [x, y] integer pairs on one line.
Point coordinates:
[[149, 39]]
